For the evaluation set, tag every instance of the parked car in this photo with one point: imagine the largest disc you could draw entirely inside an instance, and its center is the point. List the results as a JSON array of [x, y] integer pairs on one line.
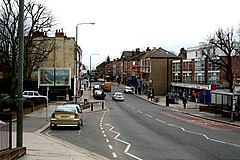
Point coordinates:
[[33, 94], [4, 96], [128, 89], [118, 96], [99, 94], [66, 115]]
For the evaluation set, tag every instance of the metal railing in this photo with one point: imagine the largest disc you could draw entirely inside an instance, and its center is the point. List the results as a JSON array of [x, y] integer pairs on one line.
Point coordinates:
[[5, 131]]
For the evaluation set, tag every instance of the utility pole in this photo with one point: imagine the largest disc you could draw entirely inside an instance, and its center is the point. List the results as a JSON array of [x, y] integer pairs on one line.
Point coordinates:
[[20, 75]]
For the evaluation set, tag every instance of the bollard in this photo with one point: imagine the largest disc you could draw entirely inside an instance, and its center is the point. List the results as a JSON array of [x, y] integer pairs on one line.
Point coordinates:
[[91, 106], [102, 104]]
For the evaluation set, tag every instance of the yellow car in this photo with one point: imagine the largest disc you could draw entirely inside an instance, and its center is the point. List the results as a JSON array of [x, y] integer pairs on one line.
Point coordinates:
[[67, 115]]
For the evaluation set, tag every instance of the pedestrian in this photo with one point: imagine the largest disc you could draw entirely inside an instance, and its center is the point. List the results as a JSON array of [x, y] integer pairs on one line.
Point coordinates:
[[184, 99]]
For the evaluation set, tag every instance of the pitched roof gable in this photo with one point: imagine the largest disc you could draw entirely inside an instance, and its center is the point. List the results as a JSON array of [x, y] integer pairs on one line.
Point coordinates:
[[160, 53]]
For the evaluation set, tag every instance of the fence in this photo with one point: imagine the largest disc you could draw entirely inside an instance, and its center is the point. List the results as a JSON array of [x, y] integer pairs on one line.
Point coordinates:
[[5, 131]]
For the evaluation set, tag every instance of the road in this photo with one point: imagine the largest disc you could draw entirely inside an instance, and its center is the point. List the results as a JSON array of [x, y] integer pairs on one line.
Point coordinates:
[[136, 129]]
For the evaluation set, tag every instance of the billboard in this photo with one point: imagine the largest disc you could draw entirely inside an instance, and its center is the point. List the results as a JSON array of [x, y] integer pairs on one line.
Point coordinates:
[[54, 77], [62, 76]]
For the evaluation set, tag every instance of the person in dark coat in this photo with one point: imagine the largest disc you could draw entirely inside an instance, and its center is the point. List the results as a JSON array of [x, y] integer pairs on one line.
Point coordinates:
[[184, 99]]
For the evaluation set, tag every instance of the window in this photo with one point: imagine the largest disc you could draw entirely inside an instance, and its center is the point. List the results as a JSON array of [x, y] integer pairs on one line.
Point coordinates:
[[199, 65], [187, 66], [187, 77], [176, 77], [213, 77], [199, 77], [213, 67], [176, 67]]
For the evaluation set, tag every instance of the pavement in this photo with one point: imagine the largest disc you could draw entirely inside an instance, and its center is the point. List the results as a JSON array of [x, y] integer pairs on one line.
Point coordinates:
[[45, 147]]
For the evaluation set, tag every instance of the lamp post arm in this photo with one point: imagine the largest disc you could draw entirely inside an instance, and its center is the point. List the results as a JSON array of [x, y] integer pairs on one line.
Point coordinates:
[[77, 61]]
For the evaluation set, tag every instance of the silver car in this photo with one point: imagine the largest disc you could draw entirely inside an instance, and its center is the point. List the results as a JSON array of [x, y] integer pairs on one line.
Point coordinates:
[[118, 96], [128, 89]]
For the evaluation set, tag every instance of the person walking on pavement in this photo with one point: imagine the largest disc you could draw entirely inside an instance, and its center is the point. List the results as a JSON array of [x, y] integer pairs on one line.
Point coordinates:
[[184, 99]]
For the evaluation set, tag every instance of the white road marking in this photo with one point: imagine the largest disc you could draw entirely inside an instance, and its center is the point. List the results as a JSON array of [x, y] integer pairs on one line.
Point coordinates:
[[197, 133], [132, 107], [110, 146], [149, 115], [104, 135], [128, 144], [160, 120], [114, 155], [205, 136], [139, 111]]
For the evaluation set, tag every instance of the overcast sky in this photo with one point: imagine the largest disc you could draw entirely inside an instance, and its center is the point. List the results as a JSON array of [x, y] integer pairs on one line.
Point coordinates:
[[122, 25]]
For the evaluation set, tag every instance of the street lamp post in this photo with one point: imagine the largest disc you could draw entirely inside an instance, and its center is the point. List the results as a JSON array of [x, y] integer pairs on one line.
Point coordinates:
[[20, 75], [76, 61], [123, 73], [90, 71]]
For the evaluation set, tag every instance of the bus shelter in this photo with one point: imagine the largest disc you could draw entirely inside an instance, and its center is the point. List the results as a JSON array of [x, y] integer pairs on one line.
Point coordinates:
[[226, 102]]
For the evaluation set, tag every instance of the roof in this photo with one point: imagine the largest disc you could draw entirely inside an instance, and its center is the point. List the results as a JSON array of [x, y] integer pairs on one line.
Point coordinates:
[[126, 54], [102, 65], [161, 53], [137, 55]]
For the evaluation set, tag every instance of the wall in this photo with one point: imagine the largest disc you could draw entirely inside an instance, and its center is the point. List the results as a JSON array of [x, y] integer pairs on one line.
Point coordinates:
[[62, 56], [158, 75]]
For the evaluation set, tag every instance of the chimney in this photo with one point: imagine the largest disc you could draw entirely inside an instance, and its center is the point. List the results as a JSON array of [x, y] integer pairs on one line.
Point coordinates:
[[59, 33]]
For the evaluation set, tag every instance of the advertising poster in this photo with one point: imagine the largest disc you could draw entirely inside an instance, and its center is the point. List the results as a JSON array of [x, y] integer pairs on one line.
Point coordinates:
[[46, 77], [54, 77], [62, 76]]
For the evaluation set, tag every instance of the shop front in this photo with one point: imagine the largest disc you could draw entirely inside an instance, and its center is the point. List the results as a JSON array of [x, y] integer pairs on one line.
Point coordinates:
[[195, 92]]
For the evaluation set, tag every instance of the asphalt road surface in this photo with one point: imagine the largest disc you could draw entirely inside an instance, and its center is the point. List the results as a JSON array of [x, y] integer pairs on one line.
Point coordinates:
[[136, 129]]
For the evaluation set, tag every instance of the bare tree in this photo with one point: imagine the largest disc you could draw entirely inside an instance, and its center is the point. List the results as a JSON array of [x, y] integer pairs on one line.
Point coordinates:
[[227, 41], [36, 20], [37, 45], [9, 41]]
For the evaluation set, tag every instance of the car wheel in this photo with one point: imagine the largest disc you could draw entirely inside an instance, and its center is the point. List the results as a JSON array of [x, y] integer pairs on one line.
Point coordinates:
[[81, 122], [52, 127]]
